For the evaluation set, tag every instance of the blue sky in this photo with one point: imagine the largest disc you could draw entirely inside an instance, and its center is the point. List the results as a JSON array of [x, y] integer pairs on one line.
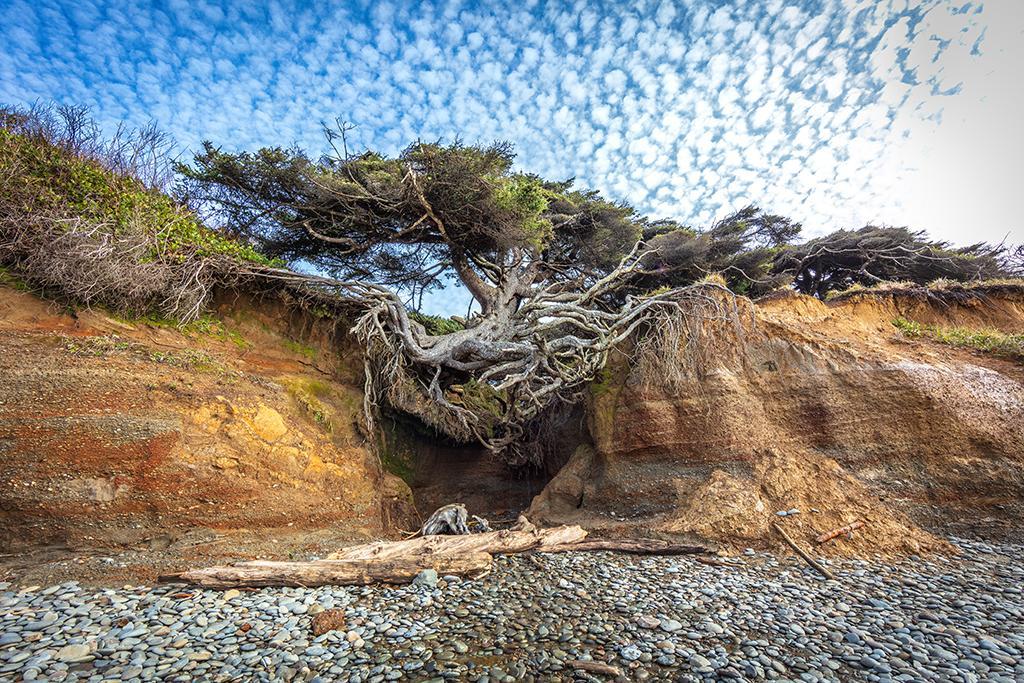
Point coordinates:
[[834, 112]]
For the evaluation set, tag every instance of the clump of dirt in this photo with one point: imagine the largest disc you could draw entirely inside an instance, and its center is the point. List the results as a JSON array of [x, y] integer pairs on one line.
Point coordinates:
[[817, 496]]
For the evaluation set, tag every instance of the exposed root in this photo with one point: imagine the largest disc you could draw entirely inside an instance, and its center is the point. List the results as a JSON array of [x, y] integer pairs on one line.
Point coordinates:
[[495, 381]]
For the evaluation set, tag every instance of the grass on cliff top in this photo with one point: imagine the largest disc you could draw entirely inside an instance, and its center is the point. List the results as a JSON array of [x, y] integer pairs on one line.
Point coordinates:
[[987, 341], [941, 288], [47, 178]]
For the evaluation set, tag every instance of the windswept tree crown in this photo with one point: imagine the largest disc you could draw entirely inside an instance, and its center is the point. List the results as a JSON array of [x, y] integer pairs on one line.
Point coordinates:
[[412, 221]]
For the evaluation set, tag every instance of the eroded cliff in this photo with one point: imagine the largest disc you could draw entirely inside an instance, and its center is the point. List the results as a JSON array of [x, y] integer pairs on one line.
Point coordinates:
[[828, 409], [235, 436]]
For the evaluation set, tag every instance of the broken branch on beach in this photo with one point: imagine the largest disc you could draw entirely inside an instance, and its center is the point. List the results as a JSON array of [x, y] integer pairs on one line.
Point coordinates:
[[400, 561]]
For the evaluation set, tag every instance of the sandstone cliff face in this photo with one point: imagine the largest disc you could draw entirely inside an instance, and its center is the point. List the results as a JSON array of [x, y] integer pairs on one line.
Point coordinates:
[[827, 409], [118, 435]]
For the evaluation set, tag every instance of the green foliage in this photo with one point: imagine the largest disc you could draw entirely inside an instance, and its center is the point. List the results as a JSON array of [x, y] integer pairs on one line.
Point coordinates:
[[986, 341], [308, 394], [97, 346], [873, 255], [9, 279], [397, 462], [603, 383], [483, 400], [740, 249], [525, 198], [49, 179], [191, 359], [433, 212], [435, 324], [205, 325]]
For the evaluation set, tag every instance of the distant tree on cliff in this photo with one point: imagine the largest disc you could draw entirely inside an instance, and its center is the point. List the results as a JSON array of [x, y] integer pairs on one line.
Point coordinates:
[[740, 248], [877, 254], [755, 252]]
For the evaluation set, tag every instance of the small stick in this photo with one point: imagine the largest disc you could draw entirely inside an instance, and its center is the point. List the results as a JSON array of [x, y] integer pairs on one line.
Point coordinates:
[[829, 535], [800, 551], [594, 667]]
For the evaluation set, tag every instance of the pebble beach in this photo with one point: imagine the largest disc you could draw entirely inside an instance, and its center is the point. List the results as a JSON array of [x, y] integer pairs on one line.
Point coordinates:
[[942, 618]]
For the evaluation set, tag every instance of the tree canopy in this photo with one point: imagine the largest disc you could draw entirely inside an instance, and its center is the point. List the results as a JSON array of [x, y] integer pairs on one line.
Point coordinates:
[[875, 254], [413, 221]]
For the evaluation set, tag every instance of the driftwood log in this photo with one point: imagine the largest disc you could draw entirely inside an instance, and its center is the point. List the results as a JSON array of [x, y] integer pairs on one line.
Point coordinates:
[[400, 561], [262, 573], [835, 533], [387, 561], [594, 667], [520, 538], [817, 566]]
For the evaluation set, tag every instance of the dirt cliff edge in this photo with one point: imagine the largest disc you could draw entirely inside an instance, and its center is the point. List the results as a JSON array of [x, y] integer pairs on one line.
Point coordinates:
[[825, 409], [236, 436]]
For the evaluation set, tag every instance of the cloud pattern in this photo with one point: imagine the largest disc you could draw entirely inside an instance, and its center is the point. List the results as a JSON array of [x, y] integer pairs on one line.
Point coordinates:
[[835, 112]]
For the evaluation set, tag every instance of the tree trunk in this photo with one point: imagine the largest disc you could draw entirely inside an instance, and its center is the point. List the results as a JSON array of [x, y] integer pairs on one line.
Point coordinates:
[[387, 562]]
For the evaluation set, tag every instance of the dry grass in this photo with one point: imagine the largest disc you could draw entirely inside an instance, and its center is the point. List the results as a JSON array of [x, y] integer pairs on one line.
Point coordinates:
[[83, 219], [943, 290]]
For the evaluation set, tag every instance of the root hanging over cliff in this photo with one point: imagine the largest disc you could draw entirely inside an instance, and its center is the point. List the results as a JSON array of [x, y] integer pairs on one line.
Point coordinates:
[[495, 381]]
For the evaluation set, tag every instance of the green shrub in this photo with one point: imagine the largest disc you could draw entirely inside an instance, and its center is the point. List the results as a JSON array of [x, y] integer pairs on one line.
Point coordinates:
[[78, 222], [51, 180], [300, 348], [435, 324]]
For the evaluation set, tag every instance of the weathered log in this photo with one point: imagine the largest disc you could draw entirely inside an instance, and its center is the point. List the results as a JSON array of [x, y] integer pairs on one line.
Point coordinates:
[[520, 538], [387, 562], [263, 573], [829, 535], [646, 546], [803, 554], [401, 561], [594, 667], [449, 519]]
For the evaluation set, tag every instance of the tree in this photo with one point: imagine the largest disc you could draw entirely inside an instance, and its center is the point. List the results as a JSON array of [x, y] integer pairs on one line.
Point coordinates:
[[414, 221], [875, 254], [560, 276], [547, 265], [740, 248]]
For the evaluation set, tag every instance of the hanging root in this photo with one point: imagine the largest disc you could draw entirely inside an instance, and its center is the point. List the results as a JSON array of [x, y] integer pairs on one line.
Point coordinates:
[[680, 345], [497, 380]]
